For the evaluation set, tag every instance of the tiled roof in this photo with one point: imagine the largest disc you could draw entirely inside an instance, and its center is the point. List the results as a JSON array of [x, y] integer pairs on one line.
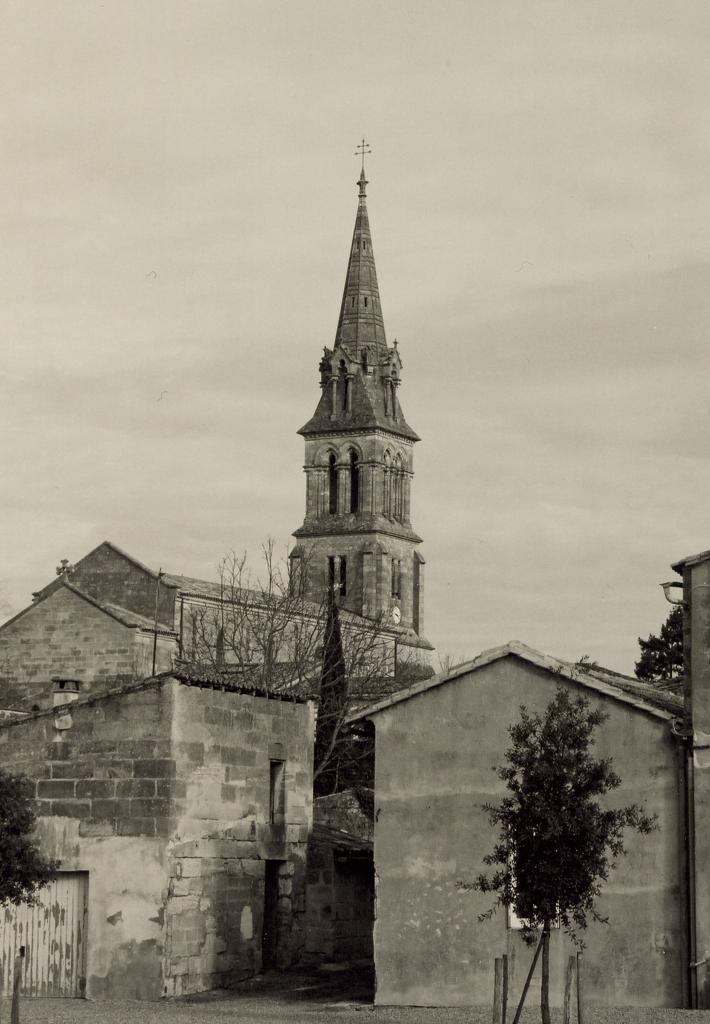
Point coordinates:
[[203, 588], [367, 413], [341, 840], [629, 691], [230, 680]]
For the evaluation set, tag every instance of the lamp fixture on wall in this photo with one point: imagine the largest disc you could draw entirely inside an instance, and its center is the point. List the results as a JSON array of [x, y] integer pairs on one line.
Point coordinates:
[[671, 585]]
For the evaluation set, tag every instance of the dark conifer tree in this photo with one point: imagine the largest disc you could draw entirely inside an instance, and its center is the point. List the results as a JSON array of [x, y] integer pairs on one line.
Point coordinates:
[[661, 660], [331, 705]]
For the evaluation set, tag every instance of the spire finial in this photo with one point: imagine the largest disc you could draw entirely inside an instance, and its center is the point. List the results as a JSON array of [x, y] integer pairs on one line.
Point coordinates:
[[360, 150]]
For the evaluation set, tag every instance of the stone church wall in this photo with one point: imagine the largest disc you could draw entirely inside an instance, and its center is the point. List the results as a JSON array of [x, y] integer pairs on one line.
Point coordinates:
[[113, 578], [64, 635]]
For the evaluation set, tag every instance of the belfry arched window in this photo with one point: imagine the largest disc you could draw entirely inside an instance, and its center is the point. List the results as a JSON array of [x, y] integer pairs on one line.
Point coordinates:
[[387, 485], [397, 488], [354, 482], [332, 484]]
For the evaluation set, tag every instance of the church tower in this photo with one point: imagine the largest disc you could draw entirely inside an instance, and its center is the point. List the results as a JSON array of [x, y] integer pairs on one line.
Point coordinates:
[[357, 535]]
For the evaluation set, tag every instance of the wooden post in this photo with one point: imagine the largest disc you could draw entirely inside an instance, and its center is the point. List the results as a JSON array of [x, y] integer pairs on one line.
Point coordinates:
[[498, 990], [526, 986], [504, 993], [580, 991], [569, 978], [16, 986]]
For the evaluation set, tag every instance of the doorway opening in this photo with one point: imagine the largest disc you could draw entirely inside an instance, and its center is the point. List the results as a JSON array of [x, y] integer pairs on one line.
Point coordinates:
[[270, 934]]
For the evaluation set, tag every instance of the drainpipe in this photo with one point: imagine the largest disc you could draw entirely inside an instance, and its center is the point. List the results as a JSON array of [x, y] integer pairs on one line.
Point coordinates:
[[182, 614], [155, 625], [684, 753]]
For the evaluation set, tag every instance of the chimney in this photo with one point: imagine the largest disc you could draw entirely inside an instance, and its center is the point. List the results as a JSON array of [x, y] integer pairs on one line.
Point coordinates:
[[64, 691]]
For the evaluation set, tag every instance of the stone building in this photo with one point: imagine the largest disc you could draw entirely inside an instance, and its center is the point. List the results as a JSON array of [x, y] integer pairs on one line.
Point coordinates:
[[436, 744], [357, 535], [182, 805]]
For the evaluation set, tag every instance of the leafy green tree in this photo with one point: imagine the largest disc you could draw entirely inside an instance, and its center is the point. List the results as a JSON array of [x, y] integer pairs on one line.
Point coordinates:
[[23, 869], [557, 842], [661, 660]]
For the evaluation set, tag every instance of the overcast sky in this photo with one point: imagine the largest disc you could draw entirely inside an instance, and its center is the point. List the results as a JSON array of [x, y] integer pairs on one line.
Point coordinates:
[[177, 197]]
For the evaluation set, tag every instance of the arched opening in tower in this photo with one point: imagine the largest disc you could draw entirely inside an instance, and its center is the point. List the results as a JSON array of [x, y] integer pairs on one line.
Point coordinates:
[[332, 485], [354, 482]]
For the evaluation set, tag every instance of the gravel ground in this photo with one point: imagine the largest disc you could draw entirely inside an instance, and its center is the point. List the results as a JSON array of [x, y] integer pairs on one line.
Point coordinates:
[[341, 996], [256, 1010]]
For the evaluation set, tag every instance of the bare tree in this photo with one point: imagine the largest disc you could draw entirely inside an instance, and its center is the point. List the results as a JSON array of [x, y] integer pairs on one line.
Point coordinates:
[[261, 629]]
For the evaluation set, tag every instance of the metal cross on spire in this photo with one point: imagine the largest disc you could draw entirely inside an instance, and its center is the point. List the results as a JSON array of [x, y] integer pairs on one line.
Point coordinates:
[[362, 148]]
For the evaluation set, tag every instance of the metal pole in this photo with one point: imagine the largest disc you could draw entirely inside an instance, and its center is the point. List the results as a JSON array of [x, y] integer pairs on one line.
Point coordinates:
[[155, 626]]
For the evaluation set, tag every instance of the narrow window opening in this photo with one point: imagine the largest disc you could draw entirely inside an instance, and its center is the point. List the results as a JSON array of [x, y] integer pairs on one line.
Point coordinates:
[[332, 485], [354, 482], [364, 360], [277, 792], [396, 577], [343, 582], [365, 300], [331, 572], [352, 302]]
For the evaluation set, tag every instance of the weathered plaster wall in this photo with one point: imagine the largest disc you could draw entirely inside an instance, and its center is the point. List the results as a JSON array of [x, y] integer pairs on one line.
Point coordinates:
[[434, 757], [223, 745], [127, 894], [64, 635]]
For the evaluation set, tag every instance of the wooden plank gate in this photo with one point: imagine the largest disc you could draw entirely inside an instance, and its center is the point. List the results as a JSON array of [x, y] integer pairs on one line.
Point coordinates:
[[54, 936]]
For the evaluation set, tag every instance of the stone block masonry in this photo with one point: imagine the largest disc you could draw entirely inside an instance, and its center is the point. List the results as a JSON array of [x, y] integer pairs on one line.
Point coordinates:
[[224, 743], [66, 635], [161, 790]]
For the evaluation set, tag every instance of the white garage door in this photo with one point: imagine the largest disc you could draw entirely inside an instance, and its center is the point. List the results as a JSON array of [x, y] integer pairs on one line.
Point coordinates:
[[54, 936]]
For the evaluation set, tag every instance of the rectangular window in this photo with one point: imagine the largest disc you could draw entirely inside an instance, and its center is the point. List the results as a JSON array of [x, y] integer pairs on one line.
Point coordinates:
[[277, 792], [331, 572], [343, 577], [516, 923]]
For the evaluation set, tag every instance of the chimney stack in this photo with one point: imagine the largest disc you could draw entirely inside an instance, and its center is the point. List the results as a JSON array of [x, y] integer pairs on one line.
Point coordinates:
[[64, 691]]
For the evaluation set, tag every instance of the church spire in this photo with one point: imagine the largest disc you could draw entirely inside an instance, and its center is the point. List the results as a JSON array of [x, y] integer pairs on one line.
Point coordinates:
[[357, 539], [360, 324]]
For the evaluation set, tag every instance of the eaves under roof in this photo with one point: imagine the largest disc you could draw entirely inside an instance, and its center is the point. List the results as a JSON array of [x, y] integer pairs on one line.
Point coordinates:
[[625, 689]]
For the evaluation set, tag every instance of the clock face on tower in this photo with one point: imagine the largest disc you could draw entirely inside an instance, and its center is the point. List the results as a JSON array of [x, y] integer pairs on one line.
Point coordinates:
[[396, 615]]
